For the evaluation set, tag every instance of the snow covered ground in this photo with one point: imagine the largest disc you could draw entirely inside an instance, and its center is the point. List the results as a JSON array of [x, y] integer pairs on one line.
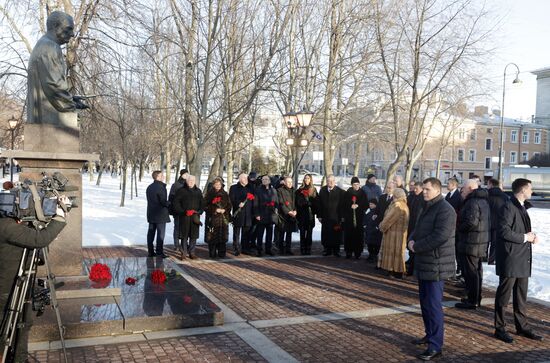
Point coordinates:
[[105, 223]]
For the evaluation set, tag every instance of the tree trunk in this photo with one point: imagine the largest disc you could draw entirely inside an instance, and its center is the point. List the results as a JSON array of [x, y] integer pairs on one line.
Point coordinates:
[[358, 150], [91, 167], [99, 175], [123, 183], [132, 182]]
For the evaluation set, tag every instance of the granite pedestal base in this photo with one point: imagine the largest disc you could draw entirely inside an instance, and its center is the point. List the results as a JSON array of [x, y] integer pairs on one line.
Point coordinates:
[[145, 306]]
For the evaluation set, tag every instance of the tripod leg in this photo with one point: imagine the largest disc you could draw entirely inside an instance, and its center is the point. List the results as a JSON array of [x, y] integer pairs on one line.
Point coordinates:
[[53, 296], [19, 295]]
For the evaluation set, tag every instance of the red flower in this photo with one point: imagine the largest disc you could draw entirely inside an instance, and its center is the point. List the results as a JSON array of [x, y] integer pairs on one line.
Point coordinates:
[[190, 212], [130, 281], [100, 272], [158, 277], [249, 196], [187, 299], [305, 193], [287, 203], [216, 200], [270, 204], [353, 199]]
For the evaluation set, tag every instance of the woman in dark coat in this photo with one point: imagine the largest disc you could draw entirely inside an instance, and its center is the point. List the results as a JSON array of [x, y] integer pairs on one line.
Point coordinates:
[[306, 199], [353, 207], [373, 236], [218, 213], [264, 208], [189, 205]]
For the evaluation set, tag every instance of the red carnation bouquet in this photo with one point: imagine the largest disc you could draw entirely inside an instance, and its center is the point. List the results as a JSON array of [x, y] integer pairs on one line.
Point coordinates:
[[189, 212], [158, 276], [130, 281], [306, 194], [270, 204], [354, 200], [216, 201], [249, 196], [100, 275], [287, 203]]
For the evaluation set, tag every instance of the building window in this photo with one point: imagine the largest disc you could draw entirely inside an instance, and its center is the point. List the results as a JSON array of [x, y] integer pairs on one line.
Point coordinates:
[[524, 156], [461, 134], [473, 135], [488, 144], [513, 157], [460, 155], [537, 137], [514, 136], [525, 137], [536, 154], [472, 155], [488, 163]]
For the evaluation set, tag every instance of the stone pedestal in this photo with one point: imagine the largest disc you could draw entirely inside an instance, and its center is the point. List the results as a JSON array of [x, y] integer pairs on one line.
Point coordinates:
[[66, 250], [50, 138]]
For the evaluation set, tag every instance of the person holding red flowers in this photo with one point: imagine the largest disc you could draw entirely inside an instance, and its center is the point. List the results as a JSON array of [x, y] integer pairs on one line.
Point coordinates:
[[330, 216], [218, 214], [242, 201], [188, 205], [353, 208], [306, 199], [287, 211], [264, 208]]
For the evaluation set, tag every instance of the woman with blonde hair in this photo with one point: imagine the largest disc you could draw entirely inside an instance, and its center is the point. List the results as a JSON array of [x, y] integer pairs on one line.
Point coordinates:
[[394, 239]]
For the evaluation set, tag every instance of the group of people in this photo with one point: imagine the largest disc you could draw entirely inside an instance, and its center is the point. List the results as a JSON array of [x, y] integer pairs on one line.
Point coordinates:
[[447, 236]]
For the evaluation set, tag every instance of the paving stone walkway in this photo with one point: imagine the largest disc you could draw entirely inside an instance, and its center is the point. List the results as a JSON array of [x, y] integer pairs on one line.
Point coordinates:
[[307, 309]]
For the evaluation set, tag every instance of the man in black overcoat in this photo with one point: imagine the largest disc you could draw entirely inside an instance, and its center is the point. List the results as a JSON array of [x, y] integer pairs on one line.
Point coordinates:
[[189, 205], [330, 197], [514, 257], [497, 199], [415, 202], [474, 229], [184, 173], [287, 210], [157, 214], [453, 195], [385, 199], [242, 213]]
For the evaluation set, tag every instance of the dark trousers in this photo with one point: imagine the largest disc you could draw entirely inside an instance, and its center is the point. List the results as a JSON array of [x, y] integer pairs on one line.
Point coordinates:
[[260, 229], [472, 271], [507, 285], [216, 249], [458, 259], [176, 233], [373, 251], [252, 237], [285, 239], [330, 238], [353, 241], [240, 238], [159, 229], [306, 239], [431, 295]]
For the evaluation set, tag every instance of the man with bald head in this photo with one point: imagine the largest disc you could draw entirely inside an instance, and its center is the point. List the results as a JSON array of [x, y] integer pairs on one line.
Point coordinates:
[[242, 214], [474, 230], [48, 96]]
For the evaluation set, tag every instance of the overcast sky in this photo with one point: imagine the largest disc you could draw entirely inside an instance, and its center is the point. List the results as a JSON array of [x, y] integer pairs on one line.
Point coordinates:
[[523, 39]]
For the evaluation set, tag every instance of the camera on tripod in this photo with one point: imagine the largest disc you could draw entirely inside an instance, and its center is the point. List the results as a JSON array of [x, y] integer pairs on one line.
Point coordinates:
[[22, 201]]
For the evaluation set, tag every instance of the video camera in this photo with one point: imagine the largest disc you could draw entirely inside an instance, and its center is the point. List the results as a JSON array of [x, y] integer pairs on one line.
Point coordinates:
[[36, 202]]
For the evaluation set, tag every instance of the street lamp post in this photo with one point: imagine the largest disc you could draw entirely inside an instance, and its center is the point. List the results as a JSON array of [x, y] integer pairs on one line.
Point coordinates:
[[501, 129], [12, 122], [297, 123]]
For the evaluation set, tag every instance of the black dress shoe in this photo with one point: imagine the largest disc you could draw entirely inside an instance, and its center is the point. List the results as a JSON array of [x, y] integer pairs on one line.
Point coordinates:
[[465, 305], [529, 334], [269, 253], [151, 255], [429, 354], [504, 336], [326, 253], [237, 253], [162, 255], [420, 341], [289, 253]]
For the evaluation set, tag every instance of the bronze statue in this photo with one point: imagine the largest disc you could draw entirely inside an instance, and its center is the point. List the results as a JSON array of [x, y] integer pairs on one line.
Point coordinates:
[[48, 97]]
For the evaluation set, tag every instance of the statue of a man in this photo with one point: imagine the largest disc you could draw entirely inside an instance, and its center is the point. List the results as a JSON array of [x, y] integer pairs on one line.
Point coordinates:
[[48, 97]]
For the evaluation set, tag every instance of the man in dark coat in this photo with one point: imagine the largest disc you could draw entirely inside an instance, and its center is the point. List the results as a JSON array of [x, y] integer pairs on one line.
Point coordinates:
[[353, 208], [265, 203], [14, 238], [287, 210], [453, 196], [513, 261], [157, 214], [371, 189], [184, 173], [497, 199], [385, 199], [415, 202], [253, 183], [330, 197], [189, 205], [474, 229], [433, 242], [242, 201]]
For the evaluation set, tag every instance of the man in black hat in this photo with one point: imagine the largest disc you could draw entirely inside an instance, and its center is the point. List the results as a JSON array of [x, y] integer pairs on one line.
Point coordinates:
[[371, 189], [180, 183]]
